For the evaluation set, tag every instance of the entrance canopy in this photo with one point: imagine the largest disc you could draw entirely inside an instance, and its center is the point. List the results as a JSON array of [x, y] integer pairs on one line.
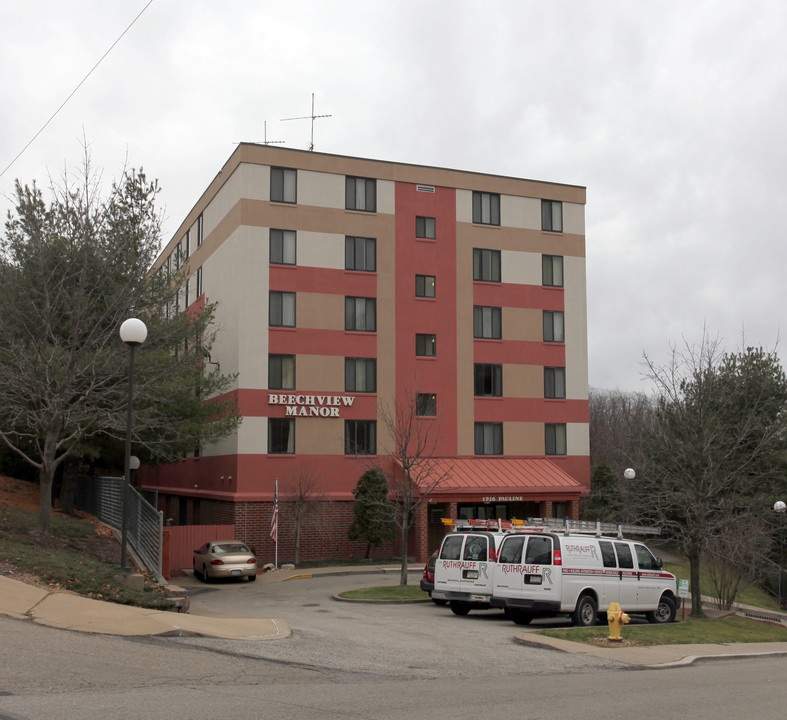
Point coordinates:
[[502, 479]]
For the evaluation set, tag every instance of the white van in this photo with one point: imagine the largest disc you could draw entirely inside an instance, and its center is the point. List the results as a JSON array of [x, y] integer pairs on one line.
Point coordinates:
[[551, 573], [463, 568]]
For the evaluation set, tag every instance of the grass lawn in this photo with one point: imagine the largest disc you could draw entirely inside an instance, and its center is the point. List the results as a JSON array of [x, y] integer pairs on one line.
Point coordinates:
[[74, 557], [392, 592], [723, 630]]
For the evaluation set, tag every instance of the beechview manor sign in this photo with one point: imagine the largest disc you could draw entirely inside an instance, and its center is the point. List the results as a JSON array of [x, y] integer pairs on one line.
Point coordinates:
[[311, 405]]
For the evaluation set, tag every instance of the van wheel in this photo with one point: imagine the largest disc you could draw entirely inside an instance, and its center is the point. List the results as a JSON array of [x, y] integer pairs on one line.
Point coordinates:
[[459, 608], [664, 613], [520, 617], [585, 613], [439, 602]]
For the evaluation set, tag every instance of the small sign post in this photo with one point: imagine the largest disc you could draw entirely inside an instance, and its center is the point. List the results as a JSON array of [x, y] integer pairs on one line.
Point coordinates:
[[683, 592]]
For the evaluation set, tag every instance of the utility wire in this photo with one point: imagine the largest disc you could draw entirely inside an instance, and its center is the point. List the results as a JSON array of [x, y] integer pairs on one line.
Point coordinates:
[[73, 92]]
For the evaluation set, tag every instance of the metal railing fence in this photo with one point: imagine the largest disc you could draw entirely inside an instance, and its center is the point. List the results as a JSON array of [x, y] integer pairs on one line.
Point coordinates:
[[103, 497]]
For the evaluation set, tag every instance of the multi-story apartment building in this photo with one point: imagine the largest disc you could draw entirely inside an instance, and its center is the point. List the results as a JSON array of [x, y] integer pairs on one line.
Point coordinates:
[[344, 282]]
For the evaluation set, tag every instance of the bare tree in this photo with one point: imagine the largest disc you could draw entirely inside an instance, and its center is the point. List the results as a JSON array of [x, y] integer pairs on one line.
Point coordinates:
[[414, 472], [716, 448], [304, 497]]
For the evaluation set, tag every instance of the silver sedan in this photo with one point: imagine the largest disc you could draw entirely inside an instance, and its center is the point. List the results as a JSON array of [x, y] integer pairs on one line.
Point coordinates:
[[224, 559]]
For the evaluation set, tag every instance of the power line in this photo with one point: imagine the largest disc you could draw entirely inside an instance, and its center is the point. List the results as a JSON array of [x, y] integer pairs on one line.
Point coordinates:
[[73, 92]]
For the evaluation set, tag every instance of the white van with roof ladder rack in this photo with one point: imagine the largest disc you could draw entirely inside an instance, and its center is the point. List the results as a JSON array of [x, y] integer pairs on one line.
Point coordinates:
[[549, 572]]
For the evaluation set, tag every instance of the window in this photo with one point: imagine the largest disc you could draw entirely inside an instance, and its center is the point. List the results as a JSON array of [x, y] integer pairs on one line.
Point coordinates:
[[360, 254], [282, 309], [555, 439], [488, 380], [552, 270], [360, 437], [199, 230], [360, 194], [452, 547], [186, 296], [360, 314], [645, 558], [486, 208], [552, 215], [426, 404], [284, 185], [281, 372], [625, 559], [539, 551], [487, 322], [475, 548], [425, 345], [360, 375], [425, 227], [199, 281], [282, 247], [281, 436], [511, 552], [187, 244], [555, 382], [553, 326], [607, 554], [488, 438], [486, 265], [425, 286]]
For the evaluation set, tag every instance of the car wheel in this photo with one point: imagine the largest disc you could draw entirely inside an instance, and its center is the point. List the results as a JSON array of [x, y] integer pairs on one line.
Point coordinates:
[[252, 578], [459, 608], [664, 613], [585, 613], [205, 577], [520, 617], [439, 602]]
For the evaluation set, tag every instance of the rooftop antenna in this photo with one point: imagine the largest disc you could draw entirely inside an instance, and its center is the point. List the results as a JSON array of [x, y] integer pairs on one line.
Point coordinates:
[[265, 141], [311, 117]]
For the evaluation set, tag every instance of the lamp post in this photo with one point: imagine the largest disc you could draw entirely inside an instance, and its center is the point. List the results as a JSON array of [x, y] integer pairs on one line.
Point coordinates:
[[780, 507], [629, 474], [133, 333]]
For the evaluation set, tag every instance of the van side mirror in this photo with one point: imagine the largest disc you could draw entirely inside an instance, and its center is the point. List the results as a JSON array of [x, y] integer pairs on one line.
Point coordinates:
[[658, 563]]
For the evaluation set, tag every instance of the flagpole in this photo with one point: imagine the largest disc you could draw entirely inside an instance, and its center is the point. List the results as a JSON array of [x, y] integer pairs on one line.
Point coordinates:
[[275, 525]]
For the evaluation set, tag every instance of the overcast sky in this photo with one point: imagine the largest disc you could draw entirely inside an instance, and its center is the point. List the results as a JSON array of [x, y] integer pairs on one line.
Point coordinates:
[[672, 114]]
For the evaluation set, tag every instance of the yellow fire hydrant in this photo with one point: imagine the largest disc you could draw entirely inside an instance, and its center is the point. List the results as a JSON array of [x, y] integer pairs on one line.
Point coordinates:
[[616, 619]]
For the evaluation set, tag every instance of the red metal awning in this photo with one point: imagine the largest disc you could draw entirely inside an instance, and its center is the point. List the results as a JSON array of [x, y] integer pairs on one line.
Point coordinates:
[[529, 477]]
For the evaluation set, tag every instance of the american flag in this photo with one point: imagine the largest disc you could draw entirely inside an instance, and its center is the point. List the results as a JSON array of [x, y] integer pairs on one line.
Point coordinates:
[[275, 516]]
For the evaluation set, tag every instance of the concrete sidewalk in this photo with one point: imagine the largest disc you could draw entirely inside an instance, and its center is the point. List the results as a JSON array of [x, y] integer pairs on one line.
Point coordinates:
[[73, 612]]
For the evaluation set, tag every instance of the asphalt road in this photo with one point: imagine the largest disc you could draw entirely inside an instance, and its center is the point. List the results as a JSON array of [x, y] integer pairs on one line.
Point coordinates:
[[411, 640], [49, 674]]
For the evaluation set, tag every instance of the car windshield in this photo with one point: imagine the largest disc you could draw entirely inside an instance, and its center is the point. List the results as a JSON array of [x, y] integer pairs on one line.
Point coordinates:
[[230, 548]]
